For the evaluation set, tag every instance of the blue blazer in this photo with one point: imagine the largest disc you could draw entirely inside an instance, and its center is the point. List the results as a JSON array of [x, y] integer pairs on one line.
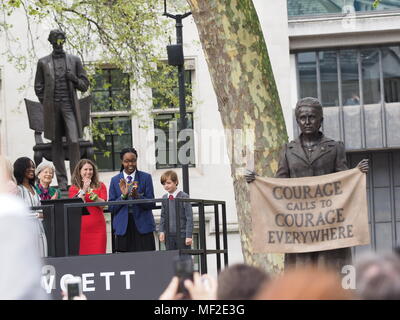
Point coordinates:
[[142, 213]]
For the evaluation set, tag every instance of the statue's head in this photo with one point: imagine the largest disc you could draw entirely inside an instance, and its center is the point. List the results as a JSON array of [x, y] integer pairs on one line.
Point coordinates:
[[309, 115], [57, 39]]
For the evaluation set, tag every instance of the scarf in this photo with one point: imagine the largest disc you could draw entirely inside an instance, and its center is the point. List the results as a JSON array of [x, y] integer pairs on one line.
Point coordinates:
[[44, 193]]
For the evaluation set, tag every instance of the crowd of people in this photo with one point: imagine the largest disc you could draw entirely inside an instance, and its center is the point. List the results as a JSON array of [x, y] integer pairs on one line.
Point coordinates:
[[133, 224], [377, 277]]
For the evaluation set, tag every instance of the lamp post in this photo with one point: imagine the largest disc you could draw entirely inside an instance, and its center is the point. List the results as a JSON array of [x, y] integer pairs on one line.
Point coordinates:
[[176, 58]]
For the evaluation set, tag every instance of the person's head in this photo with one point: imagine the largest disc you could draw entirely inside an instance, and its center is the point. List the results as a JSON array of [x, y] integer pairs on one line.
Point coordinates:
[[309, 115], [24, 169], [57, 39], [378, 277], [85, 169], [128, 158], [45, 173], [305, 283], [170, 181], [240, 282]]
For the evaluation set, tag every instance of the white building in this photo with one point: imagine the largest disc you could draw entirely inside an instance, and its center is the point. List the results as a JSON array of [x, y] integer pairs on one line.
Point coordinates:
[[334, 50]]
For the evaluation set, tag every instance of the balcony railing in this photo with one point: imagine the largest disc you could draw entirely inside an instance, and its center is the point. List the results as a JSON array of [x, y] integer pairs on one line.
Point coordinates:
[[219, 213]]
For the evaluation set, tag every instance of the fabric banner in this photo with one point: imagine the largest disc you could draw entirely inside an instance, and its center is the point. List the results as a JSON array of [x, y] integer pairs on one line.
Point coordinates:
[[309, 214]]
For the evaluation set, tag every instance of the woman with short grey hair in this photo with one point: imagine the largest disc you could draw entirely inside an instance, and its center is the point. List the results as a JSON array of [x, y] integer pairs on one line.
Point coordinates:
[[45, 173]]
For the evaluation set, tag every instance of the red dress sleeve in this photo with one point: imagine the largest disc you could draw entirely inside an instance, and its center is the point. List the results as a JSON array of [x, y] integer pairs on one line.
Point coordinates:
[[101, 192], [73, 190]]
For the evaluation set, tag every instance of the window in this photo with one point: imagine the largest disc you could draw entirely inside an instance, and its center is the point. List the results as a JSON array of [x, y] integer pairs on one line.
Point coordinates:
[[383, 195], [329, 76], [112, 135], [110, 132], [391, 73], [110, 91], [321, 7], [174, 147], [350, 76], [306, 65], [370, 75], [166, 93]]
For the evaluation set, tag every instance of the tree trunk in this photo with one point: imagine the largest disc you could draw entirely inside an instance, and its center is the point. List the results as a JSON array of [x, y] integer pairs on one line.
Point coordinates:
[[237, 57]]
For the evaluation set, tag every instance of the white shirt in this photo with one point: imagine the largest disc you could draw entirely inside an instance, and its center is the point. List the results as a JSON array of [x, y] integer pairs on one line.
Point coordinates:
[[174, 194], [31, 200], [132, 175]]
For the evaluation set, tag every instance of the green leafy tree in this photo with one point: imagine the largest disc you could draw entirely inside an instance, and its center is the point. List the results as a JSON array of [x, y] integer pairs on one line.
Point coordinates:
[[126, 35]]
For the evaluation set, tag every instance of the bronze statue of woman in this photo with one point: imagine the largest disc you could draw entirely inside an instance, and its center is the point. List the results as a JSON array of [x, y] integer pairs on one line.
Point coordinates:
[[313, 154]]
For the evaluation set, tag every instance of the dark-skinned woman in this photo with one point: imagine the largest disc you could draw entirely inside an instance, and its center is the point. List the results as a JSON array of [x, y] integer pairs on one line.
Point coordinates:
[[133, 224], [24, 173]]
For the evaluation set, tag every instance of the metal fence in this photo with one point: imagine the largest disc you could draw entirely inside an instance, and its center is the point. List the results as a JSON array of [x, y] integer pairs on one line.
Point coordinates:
[[219, 214]]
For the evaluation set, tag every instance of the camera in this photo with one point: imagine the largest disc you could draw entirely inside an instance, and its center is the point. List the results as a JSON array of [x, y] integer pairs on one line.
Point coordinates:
[[74, 287], [183, 267]]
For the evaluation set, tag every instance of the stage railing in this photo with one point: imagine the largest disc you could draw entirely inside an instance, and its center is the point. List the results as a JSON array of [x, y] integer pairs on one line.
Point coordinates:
[[201, 204]]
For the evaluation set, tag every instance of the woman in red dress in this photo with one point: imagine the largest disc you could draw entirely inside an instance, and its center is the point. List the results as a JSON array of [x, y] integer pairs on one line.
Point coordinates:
[[86, 185]]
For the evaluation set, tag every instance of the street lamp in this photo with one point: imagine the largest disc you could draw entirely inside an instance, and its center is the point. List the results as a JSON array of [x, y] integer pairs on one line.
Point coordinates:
[[176, 58]]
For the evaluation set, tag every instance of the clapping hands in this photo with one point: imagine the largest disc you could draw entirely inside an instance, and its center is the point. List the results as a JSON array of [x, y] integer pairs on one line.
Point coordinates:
[[86, 184], [124, 187]]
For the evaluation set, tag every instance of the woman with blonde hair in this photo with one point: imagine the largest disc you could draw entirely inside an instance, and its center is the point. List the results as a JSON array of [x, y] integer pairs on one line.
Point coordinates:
[[86, 185]]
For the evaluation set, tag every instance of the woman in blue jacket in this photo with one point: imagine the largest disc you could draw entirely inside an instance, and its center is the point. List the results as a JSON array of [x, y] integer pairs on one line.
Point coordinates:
[[133, 224]]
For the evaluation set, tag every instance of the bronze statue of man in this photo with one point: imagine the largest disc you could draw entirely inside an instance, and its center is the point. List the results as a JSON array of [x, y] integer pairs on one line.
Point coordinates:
[[313, 154], [58, 76]]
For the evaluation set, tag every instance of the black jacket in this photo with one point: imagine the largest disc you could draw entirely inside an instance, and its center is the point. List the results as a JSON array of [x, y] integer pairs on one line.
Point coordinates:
[[44, 89]]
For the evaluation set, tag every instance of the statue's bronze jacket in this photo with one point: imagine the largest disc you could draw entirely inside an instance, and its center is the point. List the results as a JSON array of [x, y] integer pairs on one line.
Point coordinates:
[[329, 157], [44, 89]]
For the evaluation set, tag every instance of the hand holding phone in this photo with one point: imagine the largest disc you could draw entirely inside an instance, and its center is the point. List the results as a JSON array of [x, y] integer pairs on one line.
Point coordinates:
[[74, 287], [183, 267]]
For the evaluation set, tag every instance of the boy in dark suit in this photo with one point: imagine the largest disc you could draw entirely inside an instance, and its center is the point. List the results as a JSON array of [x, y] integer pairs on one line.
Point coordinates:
[[168, 223]]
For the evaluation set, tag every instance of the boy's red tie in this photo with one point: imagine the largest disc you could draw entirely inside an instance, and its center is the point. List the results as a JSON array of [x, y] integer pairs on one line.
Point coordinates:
[[171, 197]]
